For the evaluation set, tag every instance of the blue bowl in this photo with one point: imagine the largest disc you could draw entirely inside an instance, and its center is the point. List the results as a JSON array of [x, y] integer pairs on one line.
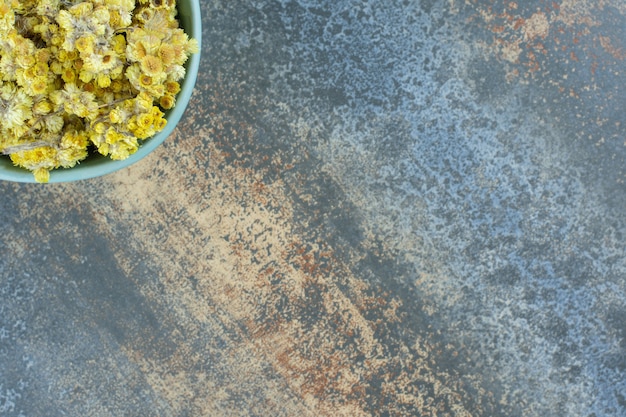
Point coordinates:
[[97, 165]]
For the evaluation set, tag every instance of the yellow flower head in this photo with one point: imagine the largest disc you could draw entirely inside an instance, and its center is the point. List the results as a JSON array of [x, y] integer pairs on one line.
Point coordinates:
[[144, 121], [112, 136], [172, 87], [103, 62], [143, 42], [56, 67], [136, 51], [167, 101], [69, 75], [167, 53], [157, 19], [67, 56], [142, 103], [43, 55], [151, 65], [42, 175], [15, 106], [176, 72], [118, 44], [145, 80], [99, 128], [82, 10], [160, 123], [41, 69], [103, 80], [85, 44], [117, 115], [54, 123], [24, 59], [145, 14], [115, 19], [38, 86], [42, 107]]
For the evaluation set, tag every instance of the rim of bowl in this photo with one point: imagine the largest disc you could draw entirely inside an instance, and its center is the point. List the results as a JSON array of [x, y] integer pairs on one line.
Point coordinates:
[[97, 165]]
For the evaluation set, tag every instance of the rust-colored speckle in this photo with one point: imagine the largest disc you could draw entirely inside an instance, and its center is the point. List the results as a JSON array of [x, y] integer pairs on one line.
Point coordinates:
[[608, 45], [525, 39]]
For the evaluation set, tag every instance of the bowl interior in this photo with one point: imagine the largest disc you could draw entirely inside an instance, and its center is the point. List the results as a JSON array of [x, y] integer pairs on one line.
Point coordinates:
[[96, 165]]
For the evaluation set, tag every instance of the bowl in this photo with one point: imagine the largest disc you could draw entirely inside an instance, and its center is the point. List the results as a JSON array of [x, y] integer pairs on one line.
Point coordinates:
[[97, 165]]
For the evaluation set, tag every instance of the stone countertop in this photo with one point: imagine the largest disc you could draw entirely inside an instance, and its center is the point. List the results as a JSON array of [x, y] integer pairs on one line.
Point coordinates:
[[370, 208]]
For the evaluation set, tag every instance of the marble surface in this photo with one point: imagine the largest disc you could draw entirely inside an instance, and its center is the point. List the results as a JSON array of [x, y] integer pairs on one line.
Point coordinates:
[[370, 208]]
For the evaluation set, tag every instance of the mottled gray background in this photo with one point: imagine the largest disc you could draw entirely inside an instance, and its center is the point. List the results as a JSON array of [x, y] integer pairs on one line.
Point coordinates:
[[370, 208]]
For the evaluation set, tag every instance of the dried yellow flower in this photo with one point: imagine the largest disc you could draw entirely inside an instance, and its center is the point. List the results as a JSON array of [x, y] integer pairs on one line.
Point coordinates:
[[77, 74], [15, 106], [172, 87], [85, 44], [151, 65], [42, 175], [167, 101]]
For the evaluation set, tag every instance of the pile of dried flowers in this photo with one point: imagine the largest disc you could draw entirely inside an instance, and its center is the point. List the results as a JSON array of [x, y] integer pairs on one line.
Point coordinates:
[[82, 75]]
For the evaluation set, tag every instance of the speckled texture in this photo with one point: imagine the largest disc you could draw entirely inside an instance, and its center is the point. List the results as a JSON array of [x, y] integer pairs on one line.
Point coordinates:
[[370, 208]]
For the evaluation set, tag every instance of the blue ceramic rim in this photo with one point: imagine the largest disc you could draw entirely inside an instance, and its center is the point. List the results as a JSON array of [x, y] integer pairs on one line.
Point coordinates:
[[95, 166]]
